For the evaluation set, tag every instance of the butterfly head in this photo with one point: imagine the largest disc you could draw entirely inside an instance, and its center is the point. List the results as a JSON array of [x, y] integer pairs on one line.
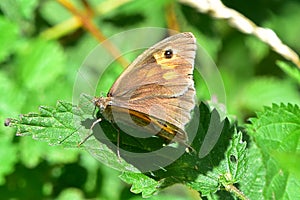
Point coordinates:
[[102, 102]]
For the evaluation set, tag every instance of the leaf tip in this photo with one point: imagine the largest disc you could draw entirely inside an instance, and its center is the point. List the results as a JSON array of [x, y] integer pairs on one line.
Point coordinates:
[[7, 122]]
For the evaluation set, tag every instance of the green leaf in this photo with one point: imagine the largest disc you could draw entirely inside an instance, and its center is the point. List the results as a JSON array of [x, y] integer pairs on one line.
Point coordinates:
[[31, 154], [8, 157], [204, 170], [228, 172], [266, 91], [218, 158], [8, 38], [283, 24], [60, 13], [254, 178], [290, 70], [21, 13], [140, 183], [8, 150], [136, 14], [71, 193], [50, 125], [258, 49], [277, 130], [39, 63], [65, 125], [9, 95], [17, 10], [234, 166], [289, 161]]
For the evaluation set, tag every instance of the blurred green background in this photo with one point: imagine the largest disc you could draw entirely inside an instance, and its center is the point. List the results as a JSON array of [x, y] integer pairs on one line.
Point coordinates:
[[38, 66]]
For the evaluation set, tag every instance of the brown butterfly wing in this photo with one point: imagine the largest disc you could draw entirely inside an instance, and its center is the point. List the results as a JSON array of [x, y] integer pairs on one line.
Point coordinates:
[[144, 123], [158, 85]]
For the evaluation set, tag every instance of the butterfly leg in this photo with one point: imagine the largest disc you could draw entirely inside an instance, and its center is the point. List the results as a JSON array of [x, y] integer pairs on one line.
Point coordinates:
[[90, 130], [118, 145]]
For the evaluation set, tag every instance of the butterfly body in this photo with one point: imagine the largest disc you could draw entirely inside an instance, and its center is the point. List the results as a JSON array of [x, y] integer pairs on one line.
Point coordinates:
[[156, 92]]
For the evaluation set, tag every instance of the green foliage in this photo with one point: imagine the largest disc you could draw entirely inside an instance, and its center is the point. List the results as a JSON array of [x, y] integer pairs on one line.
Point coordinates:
[[38, 66], [58, 126], [140, 183], [276, 131], [254, 178], [49, 125], [8, 158], [267, 91], [37, 59], [8, 36], [290, 70]]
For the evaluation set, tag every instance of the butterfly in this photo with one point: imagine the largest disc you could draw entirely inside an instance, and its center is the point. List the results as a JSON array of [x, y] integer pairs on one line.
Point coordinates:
[[155, 93]]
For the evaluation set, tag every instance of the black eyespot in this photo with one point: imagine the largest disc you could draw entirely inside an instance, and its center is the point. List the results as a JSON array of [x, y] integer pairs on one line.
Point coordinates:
[[168, 53]]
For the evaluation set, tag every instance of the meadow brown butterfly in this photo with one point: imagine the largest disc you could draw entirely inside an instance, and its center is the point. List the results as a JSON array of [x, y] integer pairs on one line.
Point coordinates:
[[156, 92]]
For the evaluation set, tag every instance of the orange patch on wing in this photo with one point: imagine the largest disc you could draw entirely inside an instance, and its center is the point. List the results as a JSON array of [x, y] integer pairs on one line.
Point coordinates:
[[164, 62], [148, 119], [170, 75], [151, 72]]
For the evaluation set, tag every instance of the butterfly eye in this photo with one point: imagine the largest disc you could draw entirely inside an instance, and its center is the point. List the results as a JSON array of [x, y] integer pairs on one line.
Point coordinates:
[[168, 53]]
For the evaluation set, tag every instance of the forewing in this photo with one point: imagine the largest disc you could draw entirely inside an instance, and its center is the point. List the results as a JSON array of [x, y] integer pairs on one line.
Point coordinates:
[[158, 85]]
